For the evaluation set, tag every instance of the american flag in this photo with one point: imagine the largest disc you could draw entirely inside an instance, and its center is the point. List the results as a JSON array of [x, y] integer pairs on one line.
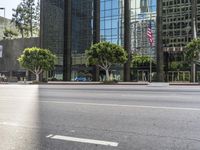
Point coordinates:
[[150, 34]]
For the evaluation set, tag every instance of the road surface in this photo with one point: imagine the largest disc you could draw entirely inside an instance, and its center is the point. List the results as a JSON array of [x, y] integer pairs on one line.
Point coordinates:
[[99, 117]]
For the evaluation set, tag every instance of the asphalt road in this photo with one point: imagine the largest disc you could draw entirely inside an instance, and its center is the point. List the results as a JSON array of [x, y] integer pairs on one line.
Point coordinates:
[[91, 117]]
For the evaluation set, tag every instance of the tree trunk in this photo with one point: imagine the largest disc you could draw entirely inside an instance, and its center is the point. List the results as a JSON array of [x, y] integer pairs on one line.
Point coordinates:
[[22, 33], [37, 77], [193, 73], [107, 75]]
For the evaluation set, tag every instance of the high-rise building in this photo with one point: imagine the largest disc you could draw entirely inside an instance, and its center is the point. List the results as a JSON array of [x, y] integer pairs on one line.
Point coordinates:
[[69, 27], [180, 21], [52, 31], [177, 23]]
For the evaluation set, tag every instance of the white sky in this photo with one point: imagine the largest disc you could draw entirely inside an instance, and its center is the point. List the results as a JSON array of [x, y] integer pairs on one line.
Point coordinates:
[[9, 5]]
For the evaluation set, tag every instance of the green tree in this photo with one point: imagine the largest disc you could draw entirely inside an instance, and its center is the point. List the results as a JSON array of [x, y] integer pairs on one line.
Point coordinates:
[[29, 9], [105, 55], [9, 33], [18, 19], [26, 17], [36, 18], [37, 60], [192, 52], [192, 55], [138, 59]]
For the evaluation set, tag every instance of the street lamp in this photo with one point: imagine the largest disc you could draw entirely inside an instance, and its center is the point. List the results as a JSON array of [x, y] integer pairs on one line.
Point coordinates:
[[3, 8], [194, 37], [188, 28]]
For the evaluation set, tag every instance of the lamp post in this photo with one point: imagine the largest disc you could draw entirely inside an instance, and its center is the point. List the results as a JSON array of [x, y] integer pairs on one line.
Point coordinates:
[[194, 2], [3, 8], [194, 64], [188, 28]]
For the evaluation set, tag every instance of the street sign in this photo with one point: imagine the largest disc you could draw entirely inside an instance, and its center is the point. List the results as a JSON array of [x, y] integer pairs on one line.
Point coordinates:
[[1, 51]]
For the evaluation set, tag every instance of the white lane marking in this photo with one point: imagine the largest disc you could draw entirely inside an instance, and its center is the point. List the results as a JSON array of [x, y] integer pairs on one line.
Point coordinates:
[[81, 140], [50, 135], [129, 106]]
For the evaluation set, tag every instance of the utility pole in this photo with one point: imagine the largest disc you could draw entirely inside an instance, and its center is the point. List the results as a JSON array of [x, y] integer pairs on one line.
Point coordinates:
[[150, 67]]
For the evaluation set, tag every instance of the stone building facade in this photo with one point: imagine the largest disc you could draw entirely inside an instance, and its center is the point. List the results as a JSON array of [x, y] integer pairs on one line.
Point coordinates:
[[12, 49]]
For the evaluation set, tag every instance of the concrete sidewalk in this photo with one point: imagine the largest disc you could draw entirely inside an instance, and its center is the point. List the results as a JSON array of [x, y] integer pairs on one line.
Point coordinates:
[[96, 83], [101, 83], [125, 83]]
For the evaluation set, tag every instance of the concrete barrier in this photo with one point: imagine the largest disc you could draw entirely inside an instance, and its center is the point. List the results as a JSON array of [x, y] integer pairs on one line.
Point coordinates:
[[158, 84]]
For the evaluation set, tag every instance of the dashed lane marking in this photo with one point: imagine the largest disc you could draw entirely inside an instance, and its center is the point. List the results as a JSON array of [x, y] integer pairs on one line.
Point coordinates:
[[82, 140]]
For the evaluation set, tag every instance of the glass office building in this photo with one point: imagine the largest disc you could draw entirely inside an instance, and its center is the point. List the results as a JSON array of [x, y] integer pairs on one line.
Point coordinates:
[[69, 27], [81, 35], [143, 14], [52, 29], [180, 22]]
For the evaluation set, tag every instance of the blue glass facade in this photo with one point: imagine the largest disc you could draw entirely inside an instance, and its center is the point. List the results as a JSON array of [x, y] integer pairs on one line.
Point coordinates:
[[111, 17], [81, 36], [112, 23], [111, 29], [143, 14]]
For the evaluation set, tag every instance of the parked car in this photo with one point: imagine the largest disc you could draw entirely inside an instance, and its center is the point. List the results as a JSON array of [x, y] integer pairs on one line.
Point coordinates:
[[81, 79]]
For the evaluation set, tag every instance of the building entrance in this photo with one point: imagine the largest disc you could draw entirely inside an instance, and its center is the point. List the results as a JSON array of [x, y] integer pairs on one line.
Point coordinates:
[[143, 75]]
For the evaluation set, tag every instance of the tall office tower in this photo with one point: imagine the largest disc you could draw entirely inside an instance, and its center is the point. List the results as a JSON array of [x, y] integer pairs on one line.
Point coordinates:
[[67, 30], [52, 29], [177, 29], [176, 24]]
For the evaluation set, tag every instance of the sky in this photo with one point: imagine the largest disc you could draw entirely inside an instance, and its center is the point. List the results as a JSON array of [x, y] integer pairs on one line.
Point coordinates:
[[9, 5]]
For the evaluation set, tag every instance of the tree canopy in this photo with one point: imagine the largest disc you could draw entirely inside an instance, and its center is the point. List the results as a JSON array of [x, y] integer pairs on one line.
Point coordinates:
[[141, 59], [9, 33], [105, 54], [192, 52], [26, 18], [37, 60]]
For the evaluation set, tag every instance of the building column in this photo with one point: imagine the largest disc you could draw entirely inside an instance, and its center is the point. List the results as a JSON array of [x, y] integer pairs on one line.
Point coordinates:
[[41, 23], [67, 40], [96, 34], [127, 39], [166, 63], [160, 54]]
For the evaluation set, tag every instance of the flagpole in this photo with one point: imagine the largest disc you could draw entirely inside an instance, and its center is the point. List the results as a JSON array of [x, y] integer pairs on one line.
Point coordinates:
[[150, 37], [150, 72], [150, 63]]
